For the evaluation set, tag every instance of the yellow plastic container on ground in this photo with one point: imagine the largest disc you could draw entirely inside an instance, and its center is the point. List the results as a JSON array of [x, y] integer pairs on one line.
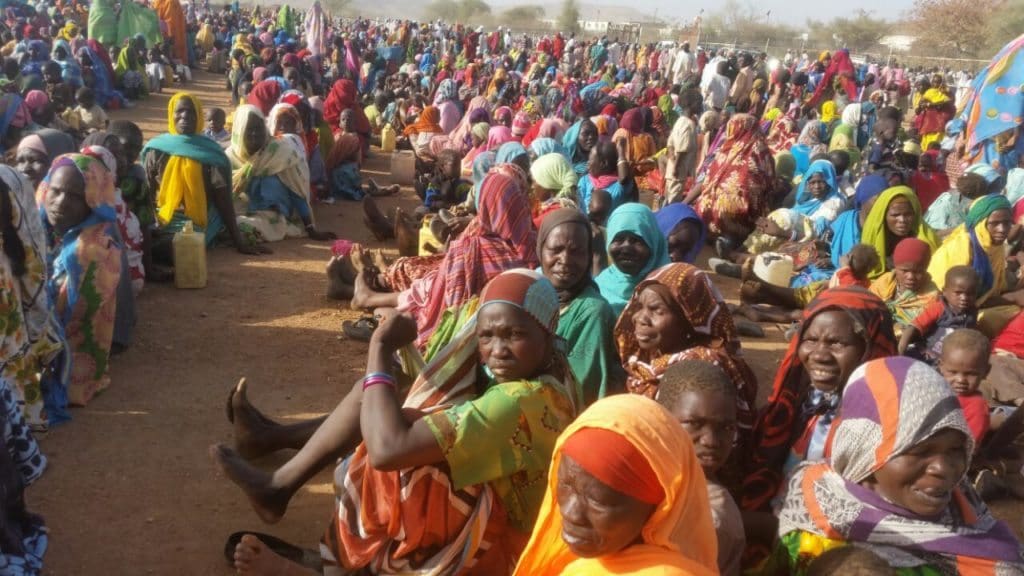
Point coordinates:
[[387, 139], [429, 244], [189, 258]]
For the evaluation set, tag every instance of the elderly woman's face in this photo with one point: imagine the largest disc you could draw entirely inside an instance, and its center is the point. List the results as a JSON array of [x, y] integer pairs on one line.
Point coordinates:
[[629, 252], [185, 118], [33, 164], [922, 480], [682, 239], [65, 200], [657, 324], [564, 257], [817, 186], [510, 342], [596, 520], [830, 350]]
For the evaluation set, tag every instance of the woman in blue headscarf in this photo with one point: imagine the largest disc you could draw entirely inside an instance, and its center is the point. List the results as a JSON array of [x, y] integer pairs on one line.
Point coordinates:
[[809, 144], [578, 140], [684, 231], [543, 146], [818, 197], [635, 246], [70, 71], [846, 228]]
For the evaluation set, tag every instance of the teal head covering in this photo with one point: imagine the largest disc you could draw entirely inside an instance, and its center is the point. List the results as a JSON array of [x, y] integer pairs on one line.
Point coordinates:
[[616, 286]]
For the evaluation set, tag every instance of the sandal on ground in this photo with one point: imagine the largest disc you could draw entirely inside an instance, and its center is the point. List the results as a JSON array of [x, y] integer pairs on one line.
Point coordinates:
[[304, 557], [361, 330]]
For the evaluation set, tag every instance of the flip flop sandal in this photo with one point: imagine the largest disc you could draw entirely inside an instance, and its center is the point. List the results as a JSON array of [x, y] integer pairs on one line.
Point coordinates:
[[361, 330], [302, 556]]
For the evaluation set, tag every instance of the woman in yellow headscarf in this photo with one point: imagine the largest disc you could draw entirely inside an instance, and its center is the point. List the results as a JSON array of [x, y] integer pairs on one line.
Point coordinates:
[[661, 521], [192, 177], [894, 216]]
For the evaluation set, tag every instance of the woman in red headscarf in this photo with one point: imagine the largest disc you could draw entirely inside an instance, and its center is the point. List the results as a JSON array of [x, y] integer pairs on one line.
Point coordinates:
[[343, 97]]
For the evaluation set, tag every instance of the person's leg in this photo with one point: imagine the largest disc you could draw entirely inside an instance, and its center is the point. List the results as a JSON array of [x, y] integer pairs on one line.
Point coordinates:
[[254, 558], [256, 435], [269, 493], [366, 298]]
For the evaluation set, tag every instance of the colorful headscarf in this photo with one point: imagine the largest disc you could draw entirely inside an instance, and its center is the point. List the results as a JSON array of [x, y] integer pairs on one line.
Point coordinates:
[[782, 422], [679, 534], [553, 172], [616, 286], [875, 230], [676, 213], [428, 122], [971, 244], [890, 406]]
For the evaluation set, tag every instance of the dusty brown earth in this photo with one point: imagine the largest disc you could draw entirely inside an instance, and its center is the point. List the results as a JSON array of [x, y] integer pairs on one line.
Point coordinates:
[[130, 488]]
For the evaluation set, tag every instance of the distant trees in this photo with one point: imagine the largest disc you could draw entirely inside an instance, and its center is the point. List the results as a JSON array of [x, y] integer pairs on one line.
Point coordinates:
[[457, 10], [569, 17], [958, 28]]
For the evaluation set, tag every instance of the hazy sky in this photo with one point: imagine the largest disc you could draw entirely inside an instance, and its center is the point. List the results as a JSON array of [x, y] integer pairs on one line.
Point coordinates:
[[795, 11]]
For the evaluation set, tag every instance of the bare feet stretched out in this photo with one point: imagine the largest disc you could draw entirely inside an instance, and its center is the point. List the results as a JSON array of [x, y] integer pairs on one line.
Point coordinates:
[[254, 558], [250, 425], [361, 292], [270, 503]]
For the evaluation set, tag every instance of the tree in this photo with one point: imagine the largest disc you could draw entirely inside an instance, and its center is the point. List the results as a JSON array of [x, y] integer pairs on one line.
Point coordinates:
[[337, 7], [861, 32], [457, 10], [1004, 25], [569, 18], [955, 28], [523, 16]]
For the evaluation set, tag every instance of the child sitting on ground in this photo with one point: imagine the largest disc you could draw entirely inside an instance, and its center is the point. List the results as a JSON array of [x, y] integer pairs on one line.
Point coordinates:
[[907, 288], [954, 307], [61, 95], [964, 364], [215, 119], [138, 197], [445, 188], [87, 116], [703, 399]]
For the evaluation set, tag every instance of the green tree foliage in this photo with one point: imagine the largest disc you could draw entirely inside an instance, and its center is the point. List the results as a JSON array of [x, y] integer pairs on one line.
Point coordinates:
[[569, 17], [522, 16], [458, 10], [955, 28]]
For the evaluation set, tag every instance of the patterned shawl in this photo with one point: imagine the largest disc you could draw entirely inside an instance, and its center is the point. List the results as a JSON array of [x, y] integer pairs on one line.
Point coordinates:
[[712, 337], [780, 422], [889, 406]]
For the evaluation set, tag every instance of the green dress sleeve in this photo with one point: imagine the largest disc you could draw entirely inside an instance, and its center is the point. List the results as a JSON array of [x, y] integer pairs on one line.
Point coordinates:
[[587, 328]]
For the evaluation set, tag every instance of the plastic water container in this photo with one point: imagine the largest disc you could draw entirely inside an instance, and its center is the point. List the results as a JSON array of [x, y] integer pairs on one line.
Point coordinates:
[[387, 139], [189, 258], [403, 167], [429, 244]]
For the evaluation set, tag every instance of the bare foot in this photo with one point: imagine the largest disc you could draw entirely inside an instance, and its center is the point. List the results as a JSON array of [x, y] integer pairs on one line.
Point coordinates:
[[254, 558], [268, 502], [749, 312], [340, 276], [250, 425], [361, 292], [750, 291]]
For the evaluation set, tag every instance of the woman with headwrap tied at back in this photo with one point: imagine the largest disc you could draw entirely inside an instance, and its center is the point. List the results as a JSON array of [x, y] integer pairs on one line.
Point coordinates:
[[343, 97]]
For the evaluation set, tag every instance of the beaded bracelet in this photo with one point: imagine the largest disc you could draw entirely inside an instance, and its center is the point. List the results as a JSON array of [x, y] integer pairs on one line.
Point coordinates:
[[378, 378]]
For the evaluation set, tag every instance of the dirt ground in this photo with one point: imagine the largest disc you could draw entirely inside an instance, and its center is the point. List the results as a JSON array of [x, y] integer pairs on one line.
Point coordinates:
[[130, 488]]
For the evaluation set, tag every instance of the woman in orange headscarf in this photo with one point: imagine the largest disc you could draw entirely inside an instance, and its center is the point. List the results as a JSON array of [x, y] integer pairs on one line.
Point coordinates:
[[170, 11], [662, 524]]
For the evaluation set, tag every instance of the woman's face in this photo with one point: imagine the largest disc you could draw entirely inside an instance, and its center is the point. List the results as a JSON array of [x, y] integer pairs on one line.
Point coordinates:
[[681, 241], [115, 147], [286, 124], [596, 520], [922, 480], [185, 118], [565, 255], [65, 200], [830, 350], [587, 137], [33, 164], [657, 324], [511, 343], [817, 186], [629, 252], [255, 136], [900, 218], [998, 225]]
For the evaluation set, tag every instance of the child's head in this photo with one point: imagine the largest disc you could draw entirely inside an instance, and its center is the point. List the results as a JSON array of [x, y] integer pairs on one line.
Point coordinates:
[[961, 288], [849, 561], [449, 164], [964, 361], [862, 259], [51, 72], [910, 261], [599, 207], [703, 399], [85, 97], [840, 159], [215, 119], [346, 120], [972, 185], [130, 136]]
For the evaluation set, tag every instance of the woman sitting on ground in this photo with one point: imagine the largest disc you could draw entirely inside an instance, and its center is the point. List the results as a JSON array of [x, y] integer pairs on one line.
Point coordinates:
[[894, 482], [192, 177], [841, 329], [76, 201], [677, 314], [270, 179], [564, 247], [484, 490], [36, 152], [578, 141], [635, 246], [638, 505]]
